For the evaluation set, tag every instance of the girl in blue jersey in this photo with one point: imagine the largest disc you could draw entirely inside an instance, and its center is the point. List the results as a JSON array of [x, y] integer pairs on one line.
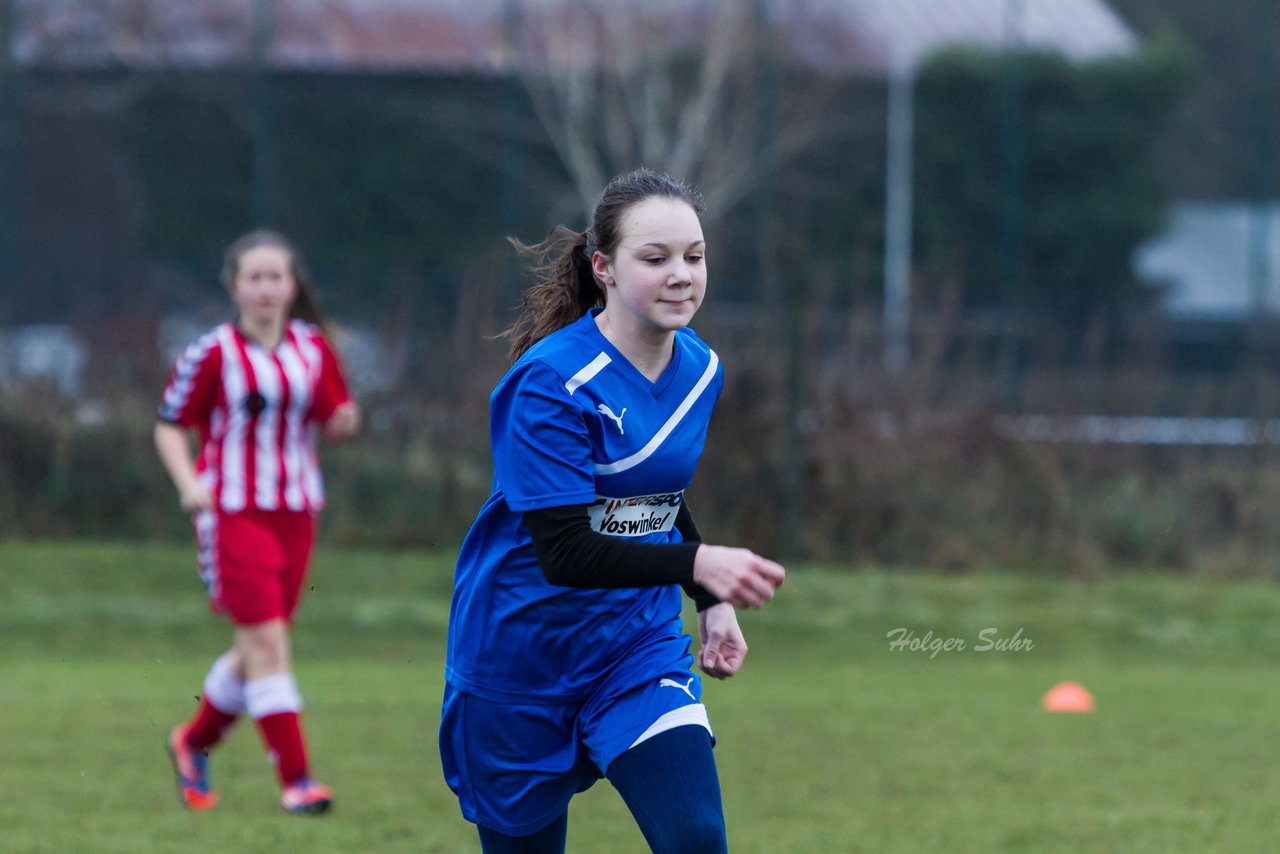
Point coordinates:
[[567, 658]]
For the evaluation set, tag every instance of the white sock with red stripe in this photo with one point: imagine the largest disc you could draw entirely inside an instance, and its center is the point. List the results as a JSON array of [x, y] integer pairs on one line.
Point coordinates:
[[274, 704]]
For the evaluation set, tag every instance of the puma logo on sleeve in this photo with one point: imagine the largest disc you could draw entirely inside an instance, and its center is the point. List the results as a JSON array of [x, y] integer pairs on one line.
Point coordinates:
[[604, 409]]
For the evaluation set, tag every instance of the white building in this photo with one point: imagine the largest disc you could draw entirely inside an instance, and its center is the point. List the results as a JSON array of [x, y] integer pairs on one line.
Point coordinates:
[[1217, 261], [50, 353]]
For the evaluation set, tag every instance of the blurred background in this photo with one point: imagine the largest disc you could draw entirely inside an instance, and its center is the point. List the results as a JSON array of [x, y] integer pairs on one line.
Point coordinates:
[[995, 281]]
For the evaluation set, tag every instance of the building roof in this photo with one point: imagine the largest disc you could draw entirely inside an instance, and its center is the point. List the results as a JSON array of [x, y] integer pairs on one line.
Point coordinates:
[[479, 35], [307, 34], [900, 33]]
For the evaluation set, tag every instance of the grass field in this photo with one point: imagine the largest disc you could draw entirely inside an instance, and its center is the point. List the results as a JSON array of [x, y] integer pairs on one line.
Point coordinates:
[[829, 741]]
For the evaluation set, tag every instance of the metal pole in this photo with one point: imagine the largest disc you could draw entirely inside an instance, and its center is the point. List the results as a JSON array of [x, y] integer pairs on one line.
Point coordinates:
[[513, 145], [899, 145], [262, 142], [1012, 213], [1259, 259], [9, 213], [1264, 183], [780, 282], [514, 173]]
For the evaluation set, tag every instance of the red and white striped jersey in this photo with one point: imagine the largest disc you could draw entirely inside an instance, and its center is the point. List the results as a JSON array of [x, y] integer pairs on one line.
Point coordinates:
[[258, 413]]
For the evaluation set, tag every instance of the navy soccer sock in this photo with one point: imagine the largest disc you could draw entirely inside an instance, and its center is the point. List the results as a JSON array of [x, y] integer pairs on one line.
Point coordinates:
[[670, 784], [549, 840]]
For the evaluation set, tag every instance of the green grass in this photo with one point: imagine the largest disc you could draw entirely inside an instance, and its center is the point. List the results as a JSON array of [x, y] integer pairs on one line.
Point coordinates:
[[829, 741]]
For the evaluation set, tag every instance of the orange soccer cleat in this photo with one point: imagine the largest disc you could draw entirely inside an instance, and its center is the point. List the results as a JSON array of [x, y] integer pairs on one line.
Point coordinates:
[[191, 767], [307, 797]]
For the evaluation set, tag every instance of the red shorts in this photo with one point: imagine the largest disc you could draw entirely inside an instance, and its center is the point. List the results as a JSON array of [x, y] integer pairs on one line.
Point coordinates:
[[253, 563]]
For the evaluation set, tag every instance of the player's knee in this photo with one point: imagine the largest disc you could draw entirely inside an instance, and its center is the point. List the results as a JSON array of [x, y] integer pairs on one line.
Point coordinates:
[[263, 649], [702, 834]]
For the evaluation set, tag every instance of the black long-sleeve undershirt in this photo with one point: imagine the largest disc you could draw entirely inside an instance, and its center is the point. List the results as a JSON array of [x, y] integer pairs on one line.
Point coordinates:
[[573, 554]]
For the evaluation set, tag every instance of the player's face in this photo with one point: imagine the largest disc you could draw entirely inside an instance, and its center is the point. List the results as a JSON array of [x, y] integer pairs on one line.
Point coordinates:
[[658, 275], [264, 287]]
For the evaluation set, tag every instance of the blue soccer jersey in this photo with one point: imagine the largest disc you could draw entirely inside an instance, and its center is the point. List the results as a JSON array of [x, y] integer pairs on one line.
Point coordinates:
[[573, 422]]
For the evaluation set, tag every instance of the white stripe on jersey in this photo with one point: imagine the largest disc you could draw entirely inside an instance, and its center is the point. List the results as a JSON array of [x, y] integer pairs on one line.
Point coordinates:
[[266, 447], [296, 373], [235, 385], [674, 421], [584, 376], [212, 452], [307, 434], [311, 483]]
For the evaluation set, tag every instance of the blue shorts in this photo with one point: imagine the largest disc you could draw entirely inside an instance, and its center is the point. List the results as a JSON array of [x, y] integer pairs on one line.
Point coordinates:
[[514, 767]]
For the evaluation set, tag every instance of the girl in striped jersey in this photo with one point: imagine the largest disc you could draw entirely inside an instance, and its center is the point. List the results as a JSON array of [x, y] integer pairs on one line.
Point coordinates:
[[257, 393]]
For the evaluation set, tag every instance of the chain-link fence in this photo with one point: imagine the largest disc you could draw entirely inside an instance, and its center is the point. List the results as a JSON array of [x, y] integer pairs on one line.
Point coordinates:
[[925, 231]]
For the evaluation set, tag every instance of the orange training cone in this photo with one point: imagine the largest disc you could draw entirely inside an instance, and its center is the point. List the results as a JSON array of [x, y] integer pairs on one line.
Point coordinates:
[[1067, 697]]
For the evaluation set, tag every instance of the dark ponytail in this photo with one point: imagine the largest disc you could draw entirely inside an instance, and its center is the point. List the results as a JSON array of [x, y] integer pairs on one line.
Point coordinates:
[[566, 286]]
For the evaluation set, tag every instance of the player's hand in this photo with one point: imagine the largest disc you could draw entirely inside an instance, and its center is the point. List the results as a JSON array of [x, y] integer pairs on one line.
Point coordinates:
[[195, 498], [737, 576], [723, 647], [344, 423]]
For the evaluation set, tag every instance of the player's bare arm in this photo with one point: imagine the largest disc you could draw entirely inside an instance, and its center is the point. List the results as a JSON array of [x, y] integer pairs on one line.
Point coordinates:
[[344, 423], [175, 455]]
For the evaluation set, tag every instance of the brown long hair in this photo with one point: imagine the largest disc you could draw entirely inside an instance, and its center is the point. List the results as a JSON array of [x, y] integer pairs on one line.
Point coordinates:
[[566, 287], [304, 303]]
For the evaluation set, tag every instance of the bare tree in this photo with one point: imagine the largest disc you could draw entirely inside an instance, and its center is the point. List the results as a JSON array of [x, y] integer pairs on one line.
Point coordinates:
[[717, 93], [674, 85]]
